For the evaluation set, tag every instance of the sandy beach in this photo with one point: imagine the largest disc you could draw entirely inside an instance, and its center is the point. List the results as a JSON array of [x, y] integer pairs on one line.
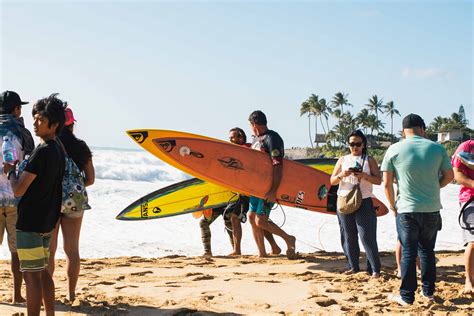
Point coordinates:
[[183, 285]]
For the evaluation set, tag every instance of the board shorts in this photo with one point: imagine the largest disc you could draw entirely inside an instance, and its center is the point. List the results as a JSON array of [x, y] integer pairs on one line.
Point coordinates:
[[259, 206], [33, 250], [468, 221], [8, 217]]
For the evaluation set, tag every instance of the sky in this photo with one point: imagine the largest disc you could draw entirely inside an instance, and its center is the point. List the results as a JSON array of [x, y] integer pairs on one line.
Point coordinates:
[[204, 66]]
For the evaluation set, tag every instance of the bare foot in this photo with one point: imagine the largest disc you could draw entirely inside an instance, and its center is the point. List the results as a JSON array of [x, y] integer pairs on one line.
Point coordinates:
[[275, 251], [468, 289], [207, 254], [18, 300], [291, 252], [235, 254], [262, 255]]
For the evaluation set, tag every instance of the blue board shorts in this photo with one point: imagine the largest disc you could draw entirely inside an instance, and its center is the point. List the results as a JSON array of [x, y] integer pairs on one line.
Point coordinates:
[[33, 250], [259, 206]]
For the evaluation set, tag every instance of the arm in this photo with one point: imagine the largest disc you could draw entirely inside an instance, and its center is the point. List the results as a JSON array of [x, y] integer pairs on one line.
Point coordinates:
[[446, 178], [90, 173], [389, 192], [20, 185], [338, 174], [374, 176], [277, 174], [462, 179]]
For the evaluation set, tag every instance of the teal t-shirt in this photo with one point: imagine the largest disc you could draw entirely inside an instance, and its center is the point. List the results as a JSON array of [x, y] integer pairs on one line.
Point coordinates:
[[416, 163]]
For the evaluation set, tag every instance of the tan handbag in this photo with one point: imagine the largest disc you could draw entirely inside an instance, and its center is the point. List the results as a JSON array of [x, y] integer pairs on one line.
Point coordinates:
[[351, 202]]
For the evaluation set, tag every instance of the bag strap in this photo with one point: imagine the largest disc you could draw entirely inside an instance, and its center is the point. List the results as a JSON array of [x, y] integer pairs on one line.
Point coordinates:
[[463, 209]]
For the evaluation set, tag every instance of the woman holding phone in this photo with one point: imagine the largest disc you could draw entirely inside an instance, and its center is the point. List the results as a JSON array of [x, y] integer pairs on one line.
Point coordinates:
[[352, 169]]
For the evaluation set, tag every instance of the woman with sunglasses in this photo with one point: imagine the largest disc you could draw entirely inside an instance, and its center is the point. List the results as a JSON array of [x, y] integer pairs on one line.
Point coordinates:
[[358, 167]]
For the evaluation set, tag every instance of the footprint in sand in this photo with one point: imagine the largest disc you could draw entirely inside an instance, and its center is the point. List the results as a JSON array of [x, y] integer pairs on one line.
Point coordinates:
[[192, 274], [120, 278], [203, 278], [141, 273], [267, 281], [101, 283]]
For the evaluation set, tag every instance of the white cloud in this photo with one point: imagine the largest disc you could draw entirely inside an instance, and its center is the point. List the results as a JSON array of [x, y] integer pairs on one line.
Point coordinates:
[[422, 73]]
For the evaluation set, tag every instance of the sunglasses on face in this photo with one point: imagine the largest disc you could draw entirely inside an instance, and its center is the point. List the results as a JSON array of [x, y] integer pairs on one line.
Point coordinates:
[[358, 144]]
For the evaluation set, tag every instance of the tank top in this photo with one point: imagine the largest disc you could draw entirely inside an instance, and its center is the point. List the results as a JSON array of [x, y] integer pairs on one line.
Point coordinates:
[[347, 183]]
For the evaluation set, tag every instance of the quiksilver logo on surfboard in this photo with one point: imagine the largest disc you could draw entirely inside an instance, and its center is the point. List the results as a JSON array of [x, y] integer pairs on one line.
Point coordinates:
[[139, 137], [231, 163]]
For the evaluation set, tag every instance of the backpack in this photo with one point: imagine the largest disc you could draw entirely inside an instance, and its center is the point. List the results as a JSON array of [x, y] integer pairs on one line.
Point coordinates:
[[75, 198]]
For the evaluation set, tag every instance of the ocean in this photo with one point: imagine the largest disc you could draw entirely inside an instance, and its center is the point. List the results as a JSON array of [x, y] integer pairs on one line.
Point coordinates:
[[123, 176]]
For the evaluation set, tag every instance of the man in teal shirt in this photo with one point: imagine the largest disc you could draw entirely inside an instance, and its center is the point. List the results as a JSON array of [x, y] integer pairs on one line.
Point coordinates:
[[416, 163]]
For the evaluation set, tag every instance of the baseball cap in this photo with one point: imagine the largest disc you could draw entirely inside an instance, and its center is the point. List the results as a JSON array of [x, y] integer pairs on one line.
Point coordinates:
[[9, 100], [413, 120], [69, 117]]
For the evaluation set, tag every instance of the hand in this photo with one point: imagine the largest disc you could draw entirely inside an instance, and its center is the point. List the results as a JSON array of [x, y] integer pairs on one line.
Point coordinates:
[[270, 197], [344, 173], [394, 210], [361, 176], [8, 167]]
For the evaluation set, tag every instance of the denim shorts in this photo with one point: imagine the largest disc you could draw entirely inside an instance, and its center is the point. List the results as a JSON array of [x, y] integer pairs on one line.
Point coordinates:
[[33, 250]]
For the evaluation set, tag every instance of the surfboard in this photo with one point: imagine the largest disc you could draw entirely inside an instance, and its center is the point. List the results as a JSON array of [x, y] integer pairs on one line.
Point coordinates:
[[194, 195], [466, 158], [172, 201]]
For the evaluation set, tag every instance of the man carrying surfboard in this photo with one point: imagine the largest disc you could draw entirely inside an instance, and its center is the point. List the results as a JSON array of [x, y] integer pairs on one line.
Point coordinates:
[[239, 212], [270, 142]]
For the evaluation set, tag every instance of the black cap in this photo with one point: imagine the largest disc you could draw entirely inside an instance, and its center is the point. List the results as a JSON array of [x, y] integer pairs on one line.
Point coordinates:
[[413, 120], [9, 100]]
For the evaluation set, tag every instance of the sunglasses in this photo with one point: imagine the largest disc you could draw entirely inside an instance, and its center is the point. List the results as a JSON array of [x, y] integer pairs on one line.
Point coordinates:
[[355, 144]]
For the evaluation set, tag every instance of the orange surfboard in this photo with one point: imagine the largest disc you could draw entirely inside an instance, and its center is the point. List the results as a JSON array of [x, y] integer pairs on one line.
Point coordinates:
[[246, 170]]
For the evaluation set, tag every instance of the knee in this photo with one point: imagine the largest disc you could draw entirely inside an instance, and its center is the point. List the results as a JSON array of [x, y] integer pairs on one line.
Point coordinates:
[[203, 223], [260, 222]]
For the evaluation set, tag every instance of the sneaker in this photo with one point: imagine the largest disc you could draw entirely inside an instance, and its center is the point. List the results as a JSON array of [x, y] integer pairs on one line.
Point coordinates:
[[428, 297], [397, 299]]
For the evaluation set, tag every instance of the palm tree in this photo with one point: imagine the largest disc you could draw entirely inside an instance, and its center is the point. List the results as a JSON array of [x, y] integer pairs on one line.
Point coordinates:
[[305, 108], [375, 105], [391, 111], [362, 119], [374, 124], [313, 101], [339, 100]]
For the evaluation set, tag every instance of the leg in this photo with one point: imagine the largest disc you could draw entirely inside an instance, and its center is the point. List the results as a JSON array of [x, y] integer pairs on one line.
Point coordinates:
[[366, 220], [469, 265], [17, 279], [257, 235], [398, 257], [8, 221], [228, 228], [47, 287], [276, 250], [426, 244], [408, 232], [351, 242], [34, 293], [71, 229], [468, 238], [263, 223], [53, 246], [236, 234], [341, 233], [206, 233]]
